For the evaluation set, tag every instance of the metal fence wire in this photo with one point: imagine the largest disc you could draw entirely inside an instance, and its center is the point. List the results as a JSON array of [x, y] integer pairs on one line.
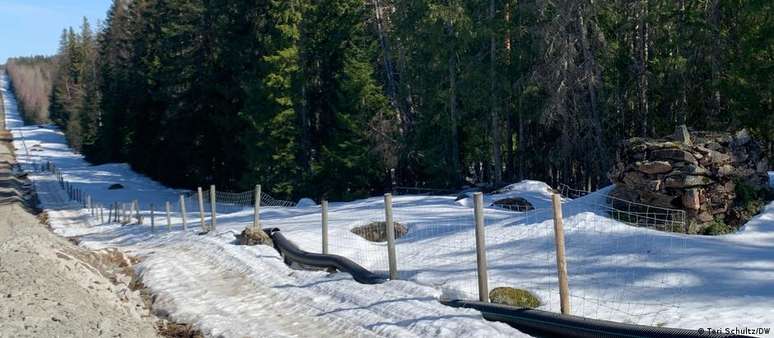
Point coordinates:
[[605, 258]]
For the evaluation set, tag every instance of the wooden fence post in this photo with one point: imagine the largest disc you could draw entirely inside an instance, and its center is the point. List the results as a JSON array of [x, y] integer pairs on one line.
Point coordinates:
[[483, 275], [257, 211], [152, 217], [169, 217], [123, 213], [201, 207], [136, 206], [88, 205], [561, 263], [213, 206], [182, 212], [390, 237], [324, 206]]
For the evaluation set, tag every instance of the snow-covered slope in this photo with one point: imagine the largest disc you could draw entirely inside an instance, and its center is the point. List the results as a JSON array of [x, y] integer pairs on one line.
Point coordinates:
[[617, 271]]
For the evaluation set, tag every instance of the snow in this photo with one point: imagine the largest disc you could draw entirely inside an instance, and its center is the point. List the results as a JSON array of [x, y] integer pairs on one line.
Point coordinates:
[[617, 271], [305, 203], [536, 192]]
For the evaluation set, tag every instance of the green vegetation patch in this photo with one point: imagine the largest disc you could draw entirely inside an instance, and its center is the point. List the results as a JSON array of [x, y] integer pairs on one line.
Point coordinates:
[[514, 297]]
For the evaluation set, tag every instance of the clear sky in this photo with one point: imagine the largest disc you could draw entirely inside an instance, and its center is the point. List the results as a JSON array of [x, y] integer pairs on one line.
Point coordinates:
[[33, 27]]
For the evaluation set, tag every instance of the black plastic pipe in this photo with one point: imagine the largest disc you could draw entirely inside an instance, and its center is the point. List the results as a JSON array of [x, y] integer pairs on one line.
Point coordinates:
[[549, 324], [291, 252]]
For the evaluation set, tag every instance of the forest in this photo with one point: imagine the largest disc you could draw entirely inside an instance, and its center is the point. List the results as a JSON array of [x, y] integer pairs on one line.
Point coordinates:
[[344, 98]]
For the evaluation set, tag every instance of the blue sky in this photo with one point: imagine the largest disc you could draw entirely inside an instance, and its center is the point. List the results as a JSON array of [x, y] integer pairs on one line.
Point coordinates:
[[33, 27]]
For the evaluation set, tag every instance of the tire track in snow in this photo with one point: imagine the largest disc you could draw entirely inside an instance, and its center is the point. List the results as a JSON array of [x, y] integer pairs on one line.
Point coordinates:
[[198, 289], [394, 309]]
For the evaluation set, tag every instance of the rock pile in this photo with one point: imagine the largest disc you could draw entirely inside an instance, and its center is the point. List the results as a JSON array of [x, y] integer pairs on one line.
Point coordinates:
[[700, 172], [253, 236], [377, 231]]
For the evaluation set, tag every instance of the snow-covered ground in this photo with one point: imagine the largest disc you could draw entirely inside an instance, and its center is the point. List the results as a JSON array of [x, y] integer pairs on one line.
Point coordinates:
[[617, 271]]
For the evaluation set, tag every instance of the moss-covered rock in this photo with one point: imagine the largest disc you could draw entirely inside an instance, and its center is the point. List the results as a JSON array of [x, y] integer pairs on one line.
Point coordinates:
[[514, 297], [717, 227]]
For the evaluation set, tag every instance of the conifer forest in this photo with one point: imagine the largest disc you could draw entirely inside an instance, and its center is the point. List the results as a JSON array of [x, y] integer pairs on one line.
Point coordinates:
[[345, 98]]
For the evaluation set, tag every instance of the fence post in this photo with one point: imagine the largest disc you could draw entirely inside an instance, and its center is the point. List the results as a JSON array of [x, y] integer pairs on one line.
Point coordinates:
[[324, 205], [201, 207], [483, 275], [213, 206], [101, 214], [169, 217], [257, 211], [390, 236], [88, 204], [136, 205], [182, 212], [152, 217], [561, 263]]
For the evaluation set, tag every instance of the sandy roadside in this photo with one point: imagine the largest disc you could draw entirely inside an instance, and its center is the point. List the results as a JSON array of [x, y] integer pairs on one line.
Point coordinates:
[[50, 287]]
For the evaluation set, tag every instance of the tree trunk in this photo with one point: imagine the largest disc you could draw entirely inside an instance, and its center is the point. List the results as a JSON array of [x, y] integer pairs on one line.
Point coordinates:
[[591, 73], [521, 147], [642, 53], [497, 174], [714, 21], [455, 146]]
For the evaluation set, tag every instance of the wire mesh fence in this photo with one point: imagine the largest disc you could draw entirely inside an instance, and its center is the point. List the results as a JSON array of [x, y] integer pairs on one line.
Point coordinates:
[[614, 268], [570, 192], [633, 213]]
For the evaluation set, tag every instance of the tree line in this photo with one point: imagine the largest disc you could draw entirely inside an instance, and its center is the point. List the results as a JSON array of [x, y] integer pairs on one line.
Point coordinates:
[[324, 98], [32, 77]]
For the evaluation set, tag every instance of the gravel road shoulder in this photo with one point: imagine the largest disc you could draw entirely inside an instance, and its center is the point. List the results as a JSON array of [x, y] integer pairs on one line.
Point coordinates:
[[50, 287]]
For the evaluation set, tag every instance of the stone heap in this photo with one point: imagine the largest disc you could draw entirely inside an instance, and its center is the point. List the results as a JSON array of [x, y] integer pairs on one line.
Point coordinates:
[[697, 172]]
